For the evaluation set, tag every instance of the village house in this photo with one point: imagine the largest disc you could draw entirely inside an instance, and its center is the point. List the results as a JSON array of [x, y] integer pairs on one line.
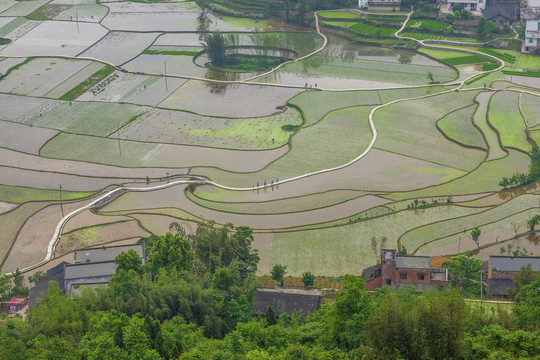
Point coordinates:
[[501, 270], [383, 5], [502, 12], [532, 34], [397, 271], [469, 5], [91, 267]]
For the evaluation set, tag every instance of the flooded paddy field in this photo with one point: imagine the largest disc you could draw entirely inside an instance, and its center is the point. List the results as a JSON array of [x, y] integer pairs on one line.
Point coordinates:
[[339, 143]]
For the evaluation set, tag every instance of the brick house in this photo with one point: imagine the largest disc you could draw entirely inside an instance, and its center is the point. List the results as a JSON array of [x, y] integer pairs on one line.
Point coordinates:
[[501, 270], [398, 270]]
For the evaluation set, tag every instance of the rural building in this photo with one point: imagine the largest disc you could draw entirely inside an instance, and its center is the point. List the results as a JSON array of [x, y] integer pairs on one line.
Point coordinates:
[[532, 34], [287, 300], [469, 5], [501, 270], [42, 286], [362, 4], [531, 11], [398, 270], [384, 5], [92, 266], [502, 12]]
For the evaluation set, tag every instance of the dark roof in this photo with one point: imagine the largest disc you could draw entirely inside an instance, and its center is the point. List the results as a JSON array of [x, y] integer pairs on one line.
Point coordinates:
[[53, 274], [285, 300], [105, 253], [371, 272], [513, 263], [507, 9], [498, 287], [89, 270]]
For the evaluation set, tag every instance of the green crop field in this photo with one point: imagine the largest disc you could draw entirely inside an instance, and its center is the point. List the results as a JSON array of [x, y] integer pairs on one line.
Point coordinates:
[[372, 30], [531, 109], [458, 125], [345, 249], [88, 118], [408, 128], [290, 205], [338, 15], [505, 117], [20, 194], [428, 24], [468, 59]]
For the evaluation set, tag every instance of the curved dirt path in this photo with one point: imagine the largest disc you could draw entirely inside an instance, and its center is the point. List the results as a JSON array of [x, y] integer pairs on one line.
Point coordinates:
[[200, 180]]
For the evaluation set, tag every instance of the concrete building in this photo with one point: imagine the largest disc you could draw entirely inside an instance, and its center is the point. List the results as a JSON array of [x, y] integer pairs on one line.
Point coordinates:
[[398, 270], [501, 270], [287, 300], [469, 5], [384, 5], [532, 34]]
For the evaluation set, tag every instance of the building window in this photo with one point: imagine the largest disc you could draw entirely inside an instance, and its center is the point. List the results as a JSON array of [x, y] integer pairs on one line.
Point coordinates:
[[403, 276], [421, 276], [388, 281], [530, 41]]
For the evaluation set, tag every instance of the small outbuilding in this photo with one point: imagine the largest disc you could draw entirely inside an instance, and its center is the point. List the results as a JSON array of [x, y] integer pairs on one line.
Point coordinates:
[[287, 300]]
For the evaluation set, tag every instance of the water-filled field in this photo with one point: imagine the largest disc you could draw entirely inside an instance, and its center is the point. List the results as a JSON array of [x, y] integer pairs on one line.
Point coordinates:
[[343, 149]]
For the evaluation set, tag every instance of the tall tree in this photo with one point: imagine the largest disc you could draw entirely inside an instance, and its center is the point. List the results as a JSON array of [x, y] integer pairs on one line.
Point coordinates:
[[278, 272], [170, 251]]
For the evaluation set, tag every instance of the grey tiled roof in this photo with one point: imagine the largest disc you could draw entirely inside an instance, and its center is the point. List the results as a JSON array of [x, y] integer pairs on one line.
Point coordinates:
[[92, 269], [514, 263], [105, 253]]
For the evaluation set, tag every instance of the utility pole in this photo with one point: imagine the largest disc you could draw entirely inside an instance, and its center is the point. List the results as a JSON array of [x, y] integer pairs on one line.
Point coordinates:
[[458, 245], [166, 87], [118, 137], [77, 20], [481, 291], [61, 206]]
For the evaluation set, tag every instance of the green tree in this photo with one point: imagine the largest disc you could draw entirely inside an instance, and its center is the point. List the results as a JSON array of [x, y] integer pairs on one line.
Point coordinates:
[[129, 260], [5, 286], [278, 272], [464, 266], [56, 315], [346, 320], [475, 234], [38, 275], [524, 277], [170, 251], [308, 279], [532, 222], [270, 315], [214, 45]]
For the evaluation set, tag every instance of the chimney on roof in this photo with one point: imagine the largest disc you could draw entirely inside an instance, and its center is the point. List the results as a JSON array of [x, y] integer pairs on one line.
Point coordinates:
[[87, 257]]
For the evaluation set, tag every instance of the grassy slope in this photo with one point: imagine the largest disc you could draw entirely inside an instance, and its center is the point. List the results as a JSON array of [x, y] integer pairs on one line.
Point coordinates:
[[458, 126], [504, 115]]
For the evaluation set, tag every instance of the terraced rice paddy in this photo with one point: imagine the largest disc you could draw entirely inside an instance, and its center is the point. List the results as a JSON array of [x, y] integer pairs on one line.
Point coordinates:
[[328, 150]]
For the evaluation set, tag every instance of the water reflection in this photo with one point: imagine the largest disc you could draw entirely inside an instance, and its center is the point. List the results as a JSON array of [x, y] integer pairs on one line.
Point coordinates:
[[533, 239], [220, 88], [511, 193]]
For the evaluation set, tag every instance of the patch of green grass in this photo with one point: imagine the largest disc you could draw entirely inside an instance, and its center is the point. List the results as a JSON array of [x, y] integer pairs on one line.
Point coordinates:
[[459, 127], [301, 203], [421, 36], [504, 115], [338, 15], [489, 67], [170, 52], [21, 194], [440, 54], [87, 118], [485, 178], [4, 41], [408, 128], [490, 307], [372, 30], [88, 83], [521, 73], [24, 8], [348, 249]]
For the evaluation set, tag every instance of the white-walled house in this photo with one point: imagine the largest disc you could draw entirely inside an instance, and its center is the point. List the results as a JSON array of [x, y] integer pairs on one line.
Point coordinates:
[[362, 4], [532, 34], [469, 5]]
